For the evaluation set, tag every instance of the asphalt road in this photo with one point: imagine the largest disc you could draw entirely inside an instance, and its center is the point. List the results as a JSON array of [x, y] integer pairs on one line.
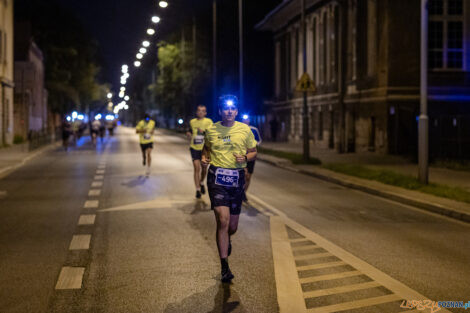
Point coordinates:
[[87, 231]]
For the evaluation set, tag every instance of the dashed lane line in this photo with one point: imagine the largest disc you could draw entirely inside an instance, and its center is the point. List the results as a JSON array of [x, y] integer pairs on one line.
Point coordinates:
[[99, 177], [96, 184], [87, 219], [80, 242], [94, 193], [91, 204], [70, 278], [100, 172], [292, 298]]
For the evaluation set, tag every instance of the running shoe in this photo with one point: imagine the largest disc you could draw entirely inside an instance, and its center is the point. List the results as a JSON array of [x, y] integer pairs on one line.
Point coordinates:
[[198, 194], [226, 275], [203, 189]]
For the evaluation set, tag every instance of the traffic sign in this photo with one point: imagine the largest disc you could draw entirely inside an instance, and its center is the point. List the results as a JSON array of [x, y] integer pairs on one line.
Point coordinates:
[[305, 84]]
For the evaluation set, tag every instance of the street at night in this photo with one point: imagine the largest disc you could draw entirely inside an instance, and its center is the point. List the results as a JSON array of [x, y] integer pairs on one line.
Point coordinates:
[[182, 156], [151, 245]]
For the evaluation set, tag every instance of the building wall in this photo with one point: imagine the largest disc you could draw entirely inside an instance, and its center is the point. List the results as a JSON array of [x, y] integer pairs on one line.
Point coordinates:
[[6, 72]]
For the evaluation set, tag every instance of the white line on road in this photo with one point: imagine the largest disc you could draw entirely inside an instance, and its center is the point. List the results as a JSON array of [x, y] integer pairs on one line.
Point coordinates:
[[97, 184], [100, 172], [87, 219], [101, 167], [99, 177], [313, 279], [91, 204], [80, 242], [70, 278], [356, 304], [94, 193], [340, 289]]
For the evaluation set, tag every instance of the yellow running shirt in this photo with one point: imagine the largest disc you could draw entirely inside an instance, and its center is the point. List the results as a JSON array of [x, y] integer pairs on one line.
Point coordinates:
[[198, 129], [223, 142], [149, 127]]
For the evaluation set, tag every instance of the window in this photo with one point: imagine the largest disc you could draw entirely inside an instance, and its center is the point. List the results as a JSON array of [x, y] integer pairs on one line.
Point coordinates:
[[324, 47], [314, 48], [446, 46]]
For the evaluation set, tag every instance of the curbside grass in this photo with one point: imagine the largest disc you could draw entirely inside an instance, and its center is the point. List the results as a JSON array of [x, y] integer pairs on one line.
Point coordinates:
[[295, 158]]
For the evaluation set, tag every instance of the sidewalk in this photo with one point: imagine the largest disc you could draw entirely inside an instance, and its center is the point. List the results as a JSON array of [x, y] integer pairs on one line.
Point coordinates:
[[16, 156], [448, 207]]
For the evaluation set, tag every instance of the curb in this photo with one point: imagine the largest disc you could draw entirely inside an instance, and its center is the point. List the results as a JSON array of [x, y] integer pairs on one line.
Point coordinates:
[[7, 170], [428, 206]]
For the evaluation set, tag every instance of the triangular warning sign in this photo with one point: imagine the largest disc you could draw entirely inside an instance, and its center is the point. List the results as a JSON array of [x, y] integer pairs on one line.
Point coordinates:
[[305, 84]]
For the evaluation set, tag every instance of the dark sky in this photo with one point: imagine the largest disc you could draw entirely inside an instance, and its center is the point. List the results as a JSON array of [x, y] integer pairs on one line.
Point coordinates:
[[120, 27]]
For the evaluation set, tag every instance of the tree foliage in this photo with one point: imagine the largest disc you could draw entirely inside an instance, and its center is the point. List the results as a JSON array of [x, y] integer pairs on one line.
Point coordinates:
[[181, 75], [71, 62]]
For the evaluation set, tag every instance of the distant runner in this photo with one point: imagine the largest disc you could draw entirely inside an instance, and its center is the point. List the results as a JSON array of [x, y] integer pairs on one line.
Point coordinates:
[[196, 132], [145, 128], [229, 145], [250, 167]]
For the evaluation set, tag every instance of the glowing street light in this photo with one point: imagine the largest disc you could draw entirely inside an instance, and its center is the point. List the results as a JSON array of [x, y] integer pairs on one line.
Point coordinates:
[[146, 44], [110, 95], [139, 56], [126, 98], [125, 68], [155, 19], [163, 4], [137, 64], [151, 31], [121, 94], [123, 89], [143, 50]]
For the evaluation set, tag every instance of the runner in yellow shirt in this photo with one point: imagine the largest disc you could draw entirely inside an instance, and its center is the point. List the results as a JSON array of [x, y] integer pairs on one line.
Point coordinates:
[[196, 132], [145, 128], [229, 145]]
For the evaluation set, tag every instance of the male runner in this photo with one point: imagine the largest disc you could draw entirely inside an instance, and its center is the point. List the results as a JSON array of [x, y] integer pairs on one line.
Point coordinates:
[[228, 146], [250, 167], [145, 128], [196, 133]]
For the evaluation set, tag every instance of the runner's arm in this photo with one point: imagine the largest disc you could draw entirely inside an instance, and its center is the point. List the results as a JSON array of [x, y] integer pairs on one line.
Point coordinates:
[[206, 155]]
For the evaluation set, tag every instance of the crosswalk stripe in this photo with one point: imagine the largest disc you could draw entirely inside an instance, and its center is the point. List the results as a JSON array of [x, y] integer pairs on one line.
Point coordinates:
[[80, 242], [340, 289], [70, 278], [355, 304], [329, 277], [320, 266]]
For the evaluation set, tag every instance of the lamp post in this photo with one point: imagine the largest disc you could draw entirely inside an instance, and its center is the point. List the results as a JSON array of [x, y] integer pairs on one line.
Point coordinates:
[[241, 71], [423, 127], [214, 57]]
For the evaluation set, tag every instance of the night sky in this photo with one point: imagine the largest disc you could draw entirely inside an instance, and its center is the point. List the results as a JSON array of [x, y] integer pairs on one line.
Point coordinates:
[[120, 26]]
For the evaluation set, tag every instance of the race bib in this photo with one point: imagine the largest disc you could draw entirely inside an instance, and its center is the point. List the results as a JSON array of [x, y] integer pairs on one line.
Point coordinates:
[[198, 139], [147, 136], [226, 178]]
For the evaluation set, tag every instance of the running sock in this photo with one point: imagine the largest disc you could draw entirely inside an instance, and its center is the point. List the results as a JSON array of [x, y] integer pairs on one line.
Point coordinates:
[[224, 264]]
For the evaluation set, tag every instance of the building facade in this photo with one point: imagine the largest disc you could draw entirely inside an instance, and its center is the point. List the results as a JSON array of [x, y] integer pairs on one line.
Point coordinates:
[[6, 72], [31, 109], [364, 56]]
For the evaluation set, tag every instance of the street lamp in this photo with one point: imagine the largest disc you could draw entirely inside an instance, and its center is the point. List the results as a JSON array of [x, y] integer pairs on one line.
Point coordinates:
[[423, 126], [143, 50], [151, 31], [137, 63], [155, 19], [163, 4], [146, 44], [139, 56], [110, 95]]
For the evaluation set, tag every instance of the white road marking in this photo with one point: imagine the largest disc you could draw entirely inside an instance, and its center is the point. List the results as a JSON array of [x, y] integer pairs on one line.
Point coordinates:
[[299, 240], [289, 291], [400, 291], [314, 279], [87, 219], [159, 203], [99, 177], [340, 289], [101, 167], [91, 204], [80, 242], [97, 184], [356, 304], [100, 172], [94, 193], [70, 278]]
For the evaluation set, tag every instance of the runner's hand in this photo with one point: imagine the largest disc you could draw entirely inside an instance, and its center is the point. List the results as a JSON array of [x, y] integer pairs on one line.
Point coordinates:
[[240, 158], [205, 160]]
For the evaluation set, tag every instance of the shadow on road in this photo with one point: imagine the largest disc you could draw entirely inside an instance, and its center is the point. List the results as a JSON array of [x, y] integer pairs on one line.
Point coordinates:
[[226, 300], [139, 181]]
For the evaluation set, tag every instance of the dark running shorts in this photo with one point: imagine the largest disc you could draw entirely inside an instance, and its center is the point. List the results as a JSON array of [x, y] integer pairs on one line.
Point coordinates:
[[250, 166], [146, 146], [231, 197], [196, 154]]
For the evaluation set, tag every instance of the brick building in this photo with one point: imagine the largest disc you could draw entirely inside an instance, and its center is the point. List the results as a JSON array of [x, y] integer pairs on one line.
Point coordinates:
[[364, 56]]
